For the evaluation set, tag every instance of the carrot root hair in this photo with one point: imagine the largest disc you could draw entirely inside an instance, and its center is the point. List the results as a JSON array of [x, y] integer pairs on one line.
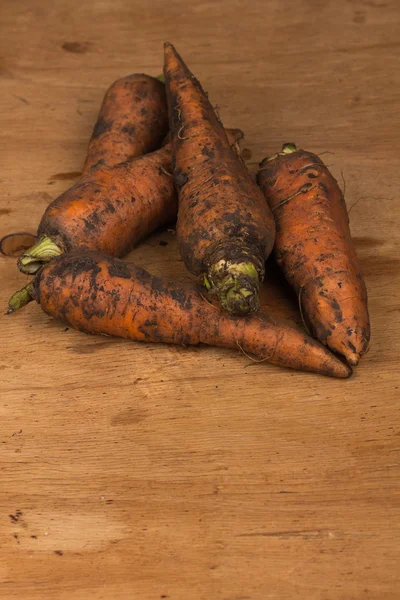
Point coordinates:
[[20, 299], [39, 254]]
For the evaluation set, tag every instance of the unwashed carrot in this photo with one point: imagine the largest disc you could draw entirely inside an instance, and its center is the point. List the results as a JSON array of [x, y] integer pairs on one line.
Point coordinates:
[[110, 209], [133, 121], [225, 229], [101, 295], [315, 250]]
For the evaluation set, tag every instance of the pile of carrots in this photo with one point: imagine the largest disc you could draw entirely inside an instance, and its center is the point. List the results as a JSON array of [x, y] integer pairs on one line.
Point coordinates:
[[159, 154]]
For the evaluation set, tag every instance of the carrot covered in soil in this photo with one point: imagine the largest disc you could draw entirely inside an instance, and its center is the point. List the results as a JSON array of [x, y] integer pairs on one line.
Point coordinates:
[[315, 251], [225, 229], [133, 121], [110, 208], [103, 295]]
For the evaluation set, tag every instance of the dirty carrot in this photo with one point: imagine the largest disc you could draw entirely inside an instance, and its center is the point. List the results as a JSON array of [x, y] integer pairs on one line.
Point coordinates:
[[110, 209], [225, 229], [102, 295], [314, 249], [133, 121]]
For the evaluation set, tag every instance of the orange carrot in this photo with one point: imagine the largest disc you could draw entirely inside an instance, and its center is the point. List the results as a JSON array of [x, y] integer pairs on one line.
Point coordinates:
[[110, 209], [133, 121], [315, 250], [225, 229], [101, 295]]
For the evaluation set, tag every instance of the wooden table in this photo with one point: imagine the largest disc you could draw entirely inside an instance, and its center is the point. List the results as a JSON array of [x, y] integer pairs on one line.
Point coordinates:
[[143, 472]]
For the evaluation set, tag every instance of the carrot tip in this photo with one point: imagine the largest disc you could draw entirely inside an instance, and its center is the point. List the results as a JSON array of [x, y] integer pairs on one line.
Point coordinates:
[[20, 299], [337, 367], [352, 358], [345, 372], [40, 253]]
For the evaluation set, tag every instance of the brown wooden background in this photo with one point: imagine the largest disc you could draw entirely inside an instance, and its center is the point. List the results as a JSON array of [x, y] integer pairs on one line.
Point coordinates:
[[141, 472]]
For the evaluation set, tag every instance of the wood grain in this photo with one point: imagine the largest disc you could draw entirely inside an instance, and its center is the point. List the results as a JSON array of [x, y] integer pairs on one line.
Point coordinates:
[[134, 471]]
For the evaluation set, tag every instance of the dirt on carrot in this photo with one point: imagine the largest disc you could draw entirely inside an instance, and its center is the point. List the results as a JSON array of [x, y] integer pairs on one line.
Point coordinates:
[[110, 208], [133, 121], [102, 295], [225, 229], [314, 249]]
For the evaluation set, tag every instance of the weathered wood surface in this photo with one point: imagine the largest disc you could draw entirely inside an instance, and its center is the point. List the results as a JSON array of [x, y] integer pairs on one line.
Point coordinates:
[[141, 472]]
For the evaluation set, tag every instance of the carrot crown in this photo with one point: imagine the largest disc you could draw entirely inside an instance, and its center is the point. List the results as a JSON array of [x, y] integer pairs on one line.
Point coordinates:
[[20, 298], [236, 285], [287, 148], [39, 254]]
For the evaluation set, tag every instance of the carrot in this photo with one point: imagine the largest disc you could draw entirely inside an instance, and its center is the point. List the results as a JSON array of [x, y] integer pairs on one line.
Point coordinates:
[[133, 121], [101, 295], [225, 229], [315, 250], [110, 208]]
